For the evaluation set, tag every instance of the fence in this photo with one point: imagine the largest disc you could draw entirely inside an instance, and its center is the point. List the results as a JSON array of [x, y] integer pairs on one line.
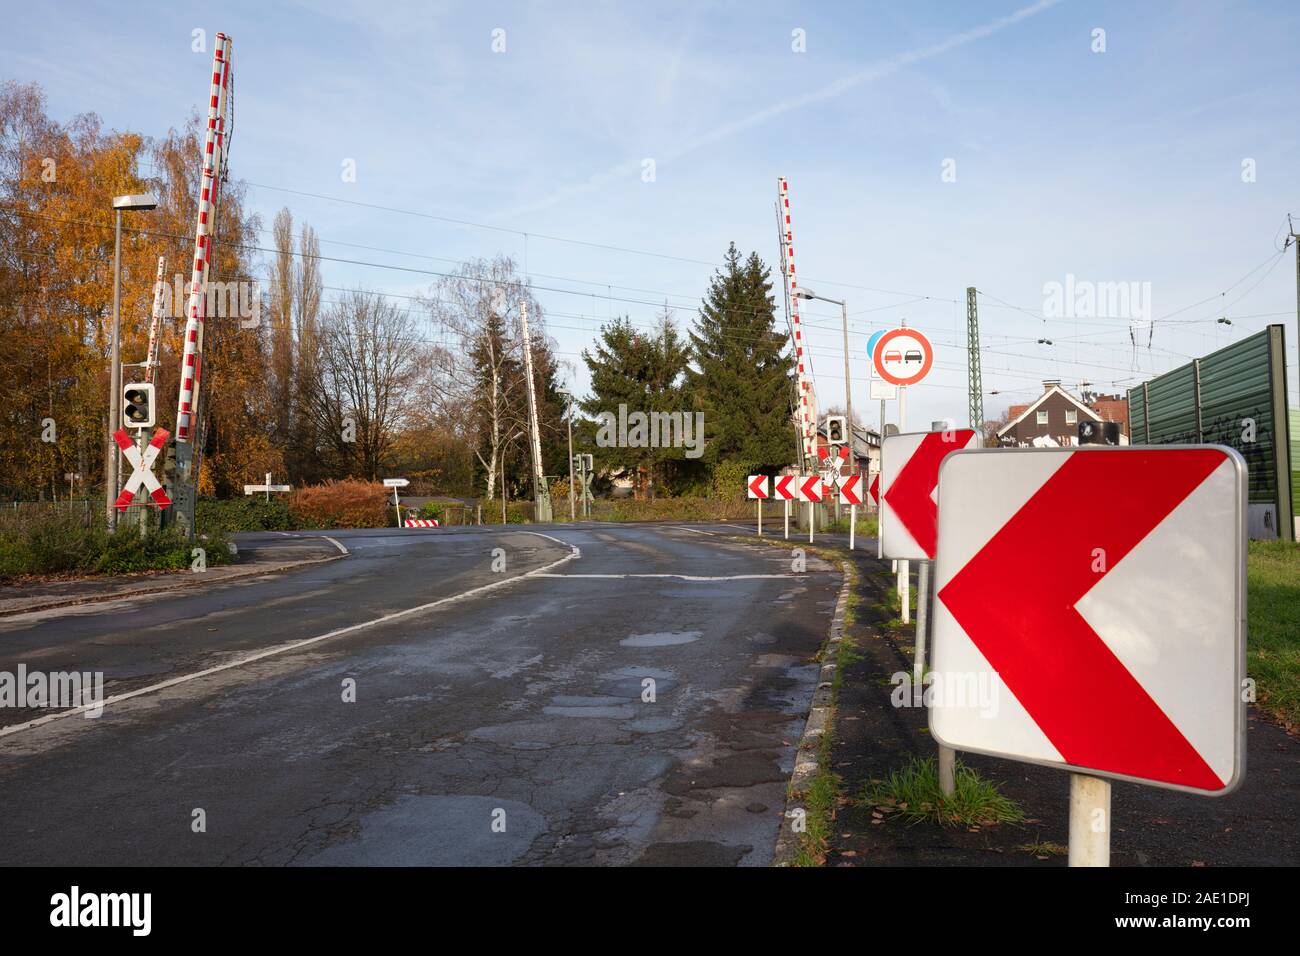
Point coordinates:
[[1236, 397]]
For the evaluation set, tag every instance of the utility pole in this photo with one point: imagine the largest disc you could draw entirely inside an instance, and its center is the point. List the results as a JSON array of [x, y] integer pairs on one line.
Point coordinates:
[[1293, 238], [848, 392], [541, 494], [572, 507], [974, 385]]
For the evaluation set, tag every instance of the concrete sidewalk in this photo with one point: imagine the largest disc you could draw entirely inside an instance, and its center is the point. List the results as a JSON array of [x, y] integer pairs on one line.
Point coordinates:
[[261, 553]]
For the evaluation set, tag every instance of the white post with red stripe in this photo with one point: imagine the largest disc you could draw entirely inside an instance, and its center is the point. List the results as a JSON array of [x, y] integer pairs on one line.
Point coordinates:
[[214, 144]]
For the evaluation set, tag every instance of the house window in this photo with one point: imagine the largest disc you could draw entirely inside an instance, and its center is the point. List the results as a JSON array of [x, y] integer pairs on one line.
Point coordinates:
[[1071, 418], [1042, 418]]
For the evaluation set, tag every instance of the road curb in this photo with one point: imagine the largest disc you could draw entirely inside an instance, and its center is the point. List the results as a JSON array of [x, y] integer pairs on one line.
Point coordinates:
[[820, 718], [195, 580]]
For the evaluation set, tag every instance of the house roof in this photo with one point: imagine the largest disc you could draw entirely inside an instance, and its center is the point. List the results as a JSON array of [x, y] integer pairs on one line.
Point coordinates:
[[1055, 389]]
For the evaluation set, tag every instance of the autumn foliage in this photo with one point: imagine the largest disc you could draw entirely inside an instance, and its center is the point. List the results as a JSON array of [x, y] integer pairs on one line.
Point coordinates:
[[341, 504]]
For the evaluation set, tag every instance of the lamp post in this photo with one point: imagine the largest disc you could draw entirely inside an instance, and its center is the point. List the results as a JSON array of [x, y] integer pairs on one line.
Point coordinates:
[[848, 388], [572, 508], [141, 202]]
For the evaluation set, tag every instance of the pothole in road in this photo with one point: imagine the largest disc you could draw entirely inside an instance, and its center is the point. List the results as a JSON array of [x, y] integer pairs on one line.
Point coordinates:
[[661, 638], [439, 831]]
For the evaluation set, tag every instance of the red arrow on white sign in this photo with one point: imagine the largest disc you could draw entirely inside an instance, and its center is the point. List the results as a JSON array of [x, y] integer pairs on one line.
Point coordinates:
[[1112, 645], [757, 486], [783, 489], [875, 488], [851, 490], [812, 488], [909, 474]]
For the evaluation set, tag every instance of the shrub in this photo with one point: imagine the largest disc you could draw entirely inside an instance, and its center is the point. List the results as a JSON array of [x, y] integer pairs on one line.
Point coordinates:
[[244, 514], [61, 543], [674, 509], [341, 504], [729, 479], [48, 542], [431, 512]]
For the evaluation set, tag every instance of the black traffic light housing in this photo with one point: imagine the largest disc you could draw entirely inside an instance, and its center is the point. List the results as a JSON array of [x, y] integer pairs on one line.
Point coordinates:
[[138, 405], [835, 430]]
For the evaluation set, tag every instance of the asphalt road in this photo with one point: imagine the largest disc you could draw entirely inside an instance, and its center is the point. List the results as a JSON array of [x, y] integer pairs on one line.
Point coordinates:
[[612, 695]]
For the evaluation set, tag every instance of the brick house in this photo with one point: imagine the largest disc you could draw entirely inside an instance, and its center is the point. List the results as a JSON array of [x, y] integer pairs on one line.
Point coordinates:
[[1053, 418], [1111, 408]]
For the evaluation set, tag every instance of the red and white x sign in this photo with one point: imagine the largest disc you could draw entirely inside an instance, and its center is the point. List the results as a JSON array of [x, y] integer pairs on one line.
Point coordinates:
[[1090, 609], [143, 469], [909, 475]]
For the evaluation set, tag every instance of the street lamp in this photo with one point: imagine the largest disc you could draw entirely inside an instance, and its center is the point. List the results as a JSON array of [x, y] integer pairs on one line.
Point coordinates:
[[572, 511], [848, 389], [120, 203]]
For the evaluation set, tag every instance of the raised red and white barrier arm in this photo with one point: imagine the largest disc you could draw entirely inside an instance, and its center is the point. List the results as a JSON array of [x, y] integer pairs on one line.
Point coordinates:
[[807, 409], [214, 143], [155, 320]]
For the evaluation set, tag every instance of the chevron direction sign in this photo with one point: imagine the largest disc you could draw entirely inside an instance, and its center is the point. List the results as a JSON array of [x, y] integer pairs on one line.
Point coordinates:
[[811, 487], [909, 475], [757, 486], [1094, 601], [851, 490], [787, 487]]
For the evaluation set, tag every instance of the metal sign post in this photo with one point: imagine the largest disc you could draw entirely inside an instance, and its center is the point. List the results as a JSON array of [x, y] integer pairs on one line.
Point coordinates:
[[759, 489], [393, 483]]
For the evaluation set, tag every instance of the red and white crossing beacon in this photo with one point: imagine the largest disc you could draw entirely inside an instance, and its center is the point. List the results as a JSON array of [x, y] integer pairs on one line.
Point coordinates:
[[1112, 646]]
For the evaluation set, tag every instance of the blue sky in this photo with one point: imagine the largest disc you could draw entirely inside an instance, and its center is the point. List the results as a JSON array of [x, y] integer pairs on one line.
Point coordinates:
[[1122, 165]]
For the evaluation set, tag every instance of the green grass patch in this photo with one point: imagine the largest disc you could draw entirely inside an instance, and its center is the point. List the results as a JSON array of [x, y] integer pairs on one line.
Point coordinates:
[[1273, 625], [867, 525], [827, 787], [913, 794], [50, 543]]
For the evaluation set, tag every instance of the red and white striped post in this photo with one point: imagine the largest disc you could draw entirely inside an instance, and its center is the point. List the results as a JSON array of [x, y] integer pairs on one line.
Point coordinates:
[[213, 161], [155, 319], [807, 396]]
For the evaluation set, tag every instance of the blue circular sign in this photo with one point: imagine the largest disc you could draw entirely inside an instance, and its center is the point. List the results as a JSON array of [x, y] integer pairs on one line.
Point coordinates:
[[871, 343]]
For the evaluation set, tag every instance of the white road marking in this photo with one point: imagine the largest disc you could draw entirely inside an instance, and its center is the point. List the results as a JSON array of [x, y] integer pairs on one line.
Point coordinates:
[[693, 530], [683, 577], [336, 544], [297, 645]]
